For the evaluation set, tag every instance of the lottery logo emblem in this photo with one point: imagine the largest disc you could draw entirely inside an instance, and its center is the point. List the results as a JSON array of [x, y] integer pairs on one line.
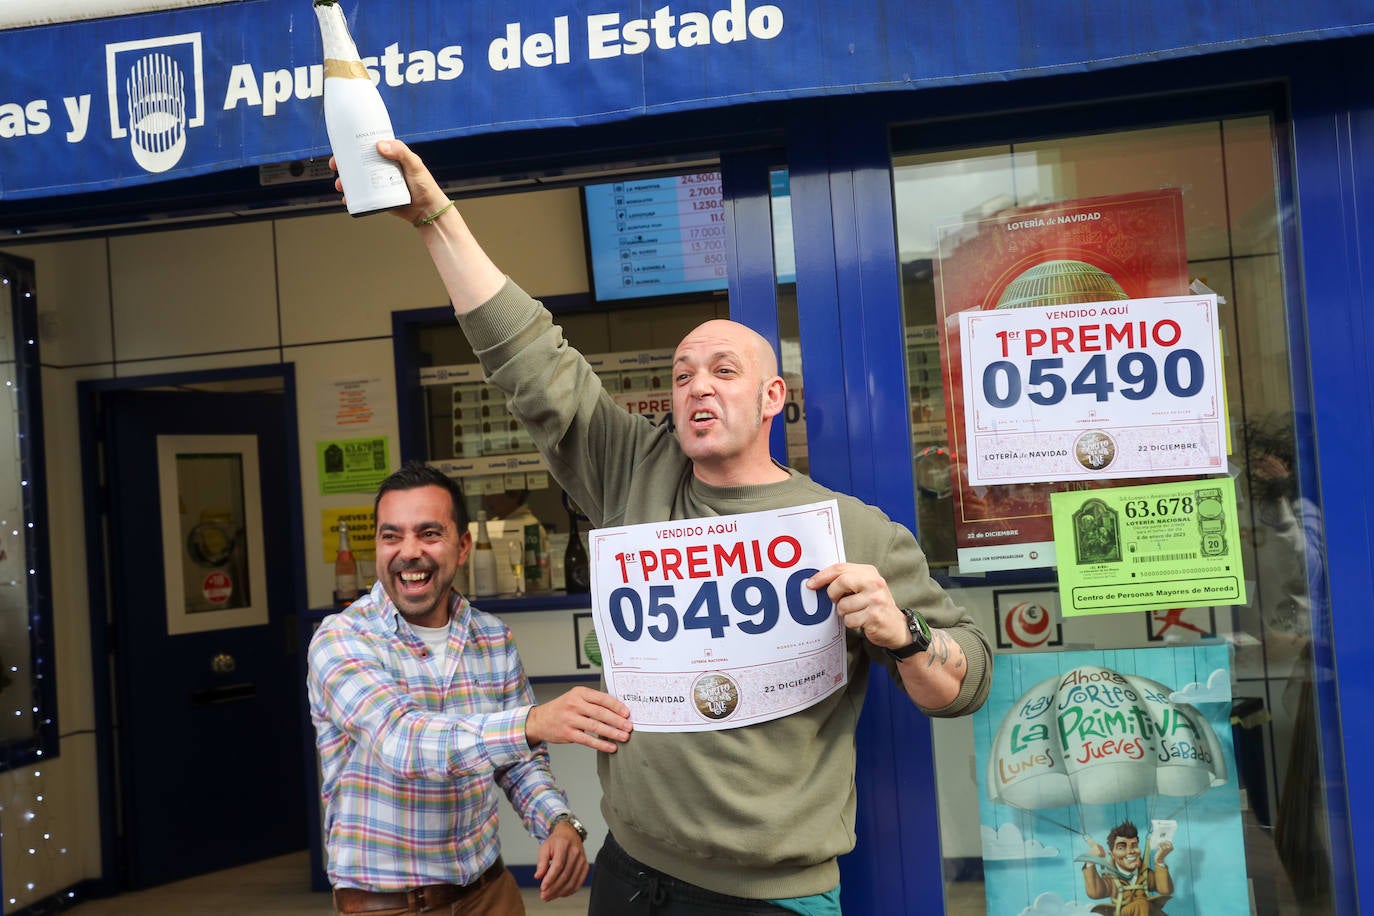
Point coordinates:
[[715, 696], [1095, 450], [156, 89], [1027, 625]]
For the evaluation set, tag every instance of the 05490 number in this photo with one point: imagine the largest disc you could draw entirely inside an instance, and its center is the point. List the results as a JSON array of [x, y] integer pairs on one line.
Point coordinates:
[[1183, 376], [753, 598]]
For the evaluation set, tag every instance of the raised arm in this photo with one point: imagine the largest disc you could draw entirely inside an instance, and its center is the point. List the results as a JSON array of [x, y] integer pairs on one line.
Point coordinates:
[[470, 277]]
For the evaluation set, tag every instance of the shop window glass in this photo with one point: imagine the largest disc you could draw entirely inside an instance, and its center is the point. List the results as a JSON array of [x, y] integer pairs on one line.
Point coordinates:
[[1193, 718], [471, 436]]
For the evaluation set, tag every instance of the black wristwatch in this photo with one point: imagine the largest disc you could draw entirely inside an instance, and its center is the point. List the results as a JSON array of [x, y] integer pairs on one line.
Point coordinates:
[[920, 636], [572, 822]]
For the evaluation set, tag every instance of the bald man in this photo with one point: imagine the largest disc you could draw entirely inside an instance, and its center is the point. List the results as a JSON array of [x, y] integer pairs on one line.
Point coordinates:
[[750, 819]]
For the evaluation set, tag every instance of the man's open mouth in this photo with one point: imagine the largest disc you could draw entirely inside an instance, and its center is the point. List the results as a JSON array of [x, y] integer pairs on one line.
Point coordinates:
[[415, 579], [702, 417]]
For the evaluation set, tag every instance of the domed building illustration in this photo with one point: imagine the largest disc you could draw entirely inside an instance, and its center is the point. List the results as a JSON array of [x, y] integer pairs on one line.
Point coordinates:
[[1060, 282]]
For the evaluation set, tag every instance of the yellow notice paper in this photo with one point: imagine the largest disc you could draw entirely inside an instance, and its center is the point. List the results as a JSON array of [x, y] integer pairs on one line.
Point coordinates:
[[361, 534], [1153, 547]]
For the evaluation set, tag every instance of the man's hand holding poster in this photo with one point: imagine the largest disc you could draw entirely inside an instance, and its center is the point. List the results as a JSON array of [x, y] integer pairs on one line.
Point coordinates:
[[708, 623]]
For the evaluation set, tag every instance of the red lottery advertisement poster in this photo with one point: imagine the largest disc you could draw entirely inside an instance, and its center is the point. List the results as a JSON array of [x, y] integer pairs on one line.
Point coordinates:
[[1101, 249]]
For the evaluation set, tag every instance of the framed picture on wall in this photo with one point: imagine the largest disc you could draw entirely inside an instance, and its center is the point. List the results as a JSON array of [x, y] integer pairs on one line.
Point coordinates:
[[1181, 624]]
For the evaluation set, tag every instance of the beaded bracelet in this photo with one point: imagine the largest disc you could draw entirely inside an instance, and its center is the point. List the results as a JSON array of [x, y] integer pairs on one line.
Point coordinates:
[[426, 220]]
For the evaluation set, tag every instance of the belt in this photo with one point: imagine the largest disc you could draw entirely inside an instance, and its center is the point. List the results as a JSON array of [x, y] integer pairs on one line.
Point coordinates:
[[421, 899]]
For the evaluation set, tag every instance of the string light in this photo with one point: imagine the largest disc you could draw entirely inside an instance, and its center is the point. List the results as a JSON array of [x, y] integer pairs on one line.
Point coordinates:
[[26, 822], [40, 877]]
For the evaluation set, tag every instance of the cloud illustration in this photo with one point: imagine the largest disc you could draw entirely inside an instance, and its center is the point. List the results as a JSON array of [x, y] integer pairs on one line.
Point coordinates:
[[1051, 904], [1217, 690], [1006, 842]]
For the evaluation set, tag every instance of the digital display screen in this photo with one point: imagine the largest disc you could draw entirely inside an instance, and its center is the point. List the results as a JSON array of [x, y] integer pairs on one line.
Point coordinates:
[[656, 236]]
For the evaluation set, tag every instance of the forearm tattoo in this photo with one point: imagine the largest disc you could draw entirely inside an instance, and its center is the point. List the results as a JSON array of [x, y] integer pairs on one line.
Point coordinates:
[[944, 651]]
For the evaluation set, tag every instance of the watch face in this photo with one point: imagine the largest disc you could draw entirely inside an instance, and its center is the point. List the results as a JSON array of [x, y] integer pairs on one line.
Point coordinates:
[[574, 823], [920, 636], [920, 630]]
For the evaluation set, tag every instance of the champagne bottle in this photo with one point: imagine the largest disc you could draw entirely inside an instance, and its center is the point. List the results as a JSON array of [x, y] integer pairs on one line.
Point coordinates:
[[483, 560], [346, 589], [356, 119], [576, 569]]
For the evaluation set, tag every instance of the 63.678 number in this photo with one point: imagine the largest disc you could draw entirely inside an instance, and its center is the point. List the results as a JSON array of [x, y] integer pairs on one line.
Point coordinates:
[[1163, 506]]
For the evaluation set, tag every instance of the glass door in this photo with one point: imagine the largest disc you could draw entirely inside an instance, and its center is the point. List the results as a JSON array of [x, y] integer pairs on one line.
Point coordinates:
[[1116, 492]]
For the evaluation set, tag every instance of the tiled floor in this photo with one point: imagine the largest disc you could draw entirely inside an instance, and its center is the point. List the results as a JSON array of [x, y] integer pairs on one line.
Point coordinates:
[[274, 887], [281, 887]]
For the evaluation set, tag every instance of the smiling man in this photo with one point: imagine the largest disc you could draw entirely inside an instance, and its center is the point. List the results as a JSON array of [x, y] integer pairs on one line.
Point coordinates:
[[1119, 873], [421, 708]]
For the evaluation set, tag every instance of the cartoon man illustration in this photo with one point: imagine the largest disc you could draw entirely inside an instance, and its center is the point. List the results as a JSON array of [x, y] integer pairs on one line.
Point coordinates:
[[1134, 889]]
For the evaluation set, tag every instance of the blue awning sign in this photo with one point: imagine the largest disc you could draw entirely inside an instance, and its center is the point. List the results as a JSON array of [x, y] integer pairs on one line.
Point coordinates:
[[193, 89]]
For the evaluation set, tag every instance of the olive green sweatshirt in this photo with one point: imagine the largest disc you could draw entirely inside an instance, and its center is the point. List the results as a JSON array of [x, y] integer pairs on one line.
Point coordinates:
[[758, 811]]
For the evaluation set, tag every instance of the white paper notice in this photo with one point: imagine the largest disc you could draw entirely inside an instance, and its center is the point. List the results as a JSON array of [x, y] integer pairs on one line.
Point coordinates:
[[707, 623], [1162, 831], [1098, 391], [354, 404]]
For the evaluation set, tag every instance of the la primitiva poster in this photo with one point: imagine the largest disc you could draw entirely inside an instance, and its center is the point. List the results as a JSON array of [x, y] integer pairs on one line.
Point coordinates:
[[1109, 786]]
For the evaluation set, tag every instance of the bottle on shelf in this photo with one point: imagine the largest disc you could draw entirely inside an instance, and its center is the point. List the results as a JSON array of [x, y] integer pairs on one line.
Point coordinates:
[[483, 560], [558, 549], [536, 546], [576, 569], [517, 565], [346, 589], [356, 119]]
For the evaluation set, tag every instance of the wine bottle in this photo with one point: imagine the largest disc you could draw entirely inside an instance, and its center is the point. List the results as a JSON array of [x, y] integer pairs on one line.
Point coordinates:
[[576, 570], [356, 119], [346, 589], [483, 560]]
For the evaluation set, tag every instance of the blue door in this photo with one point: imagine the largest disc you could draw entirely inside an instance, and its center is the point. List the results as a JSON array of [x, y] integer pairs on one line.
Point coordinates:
[[206, 694]]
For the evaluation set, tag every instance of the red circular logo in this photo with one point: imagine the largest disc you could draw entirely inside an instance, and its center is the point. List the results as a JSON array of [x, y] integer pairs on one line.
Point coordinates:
[[1027, 625], [217, 587]]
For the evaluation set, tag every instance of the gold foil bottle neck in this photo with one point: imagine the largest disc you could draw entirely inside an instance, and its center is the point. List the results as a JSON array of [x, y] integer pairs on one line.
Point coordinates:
[[345, 69]]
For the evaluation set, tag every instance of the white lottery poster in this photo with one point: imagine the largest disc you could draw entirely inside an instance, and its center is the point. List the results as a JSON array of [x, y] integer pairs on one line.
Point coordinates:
[[1104, 390], [708, 624]]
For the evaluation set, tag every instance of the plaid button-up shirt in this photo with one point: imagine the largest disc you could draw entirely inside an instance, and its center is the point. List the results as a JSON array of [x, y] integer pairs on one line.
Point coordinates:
[[409, 749]]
